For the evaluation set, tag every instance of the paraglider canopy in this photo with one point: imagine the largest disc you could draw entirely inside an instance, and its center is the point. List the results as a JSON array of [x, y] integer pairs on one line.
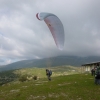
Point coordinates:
[[55, 26]]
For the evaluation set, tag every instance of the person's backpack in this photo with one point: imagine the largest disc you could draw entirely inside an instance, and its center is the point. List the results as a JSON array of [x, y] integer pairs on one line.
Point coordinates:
[[98, 73], [50, 72]]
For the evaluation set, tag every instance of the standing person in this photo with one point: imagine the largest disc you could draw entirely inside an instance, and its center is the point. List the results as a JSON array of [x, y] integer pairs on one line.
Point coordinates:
[[97, 76], [48, 73], [93, 72]]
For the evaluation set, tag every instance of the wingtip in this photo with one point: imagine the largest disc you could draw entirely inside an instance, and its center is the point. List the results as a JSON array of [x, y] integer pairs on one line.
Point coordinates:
[[37, 15]]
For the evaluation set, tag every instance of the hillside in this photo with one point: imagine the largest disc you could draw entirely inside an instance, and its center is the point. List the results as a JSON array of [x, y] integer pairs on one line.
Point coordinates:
[[70, 87], [13, 75], [54, 61], [68, 83]]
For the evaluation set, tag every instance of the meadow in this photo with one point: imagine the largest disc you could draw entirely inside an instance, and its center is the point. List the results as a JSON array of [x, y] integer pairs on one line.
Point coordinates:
[[77, 86], [13, 75]]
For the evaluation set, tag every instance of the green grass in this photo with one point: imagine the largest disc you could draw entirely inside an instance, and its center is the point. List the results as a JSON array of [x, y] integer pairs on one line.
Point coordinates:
[[67, 87], [40, 72], [13, 75]]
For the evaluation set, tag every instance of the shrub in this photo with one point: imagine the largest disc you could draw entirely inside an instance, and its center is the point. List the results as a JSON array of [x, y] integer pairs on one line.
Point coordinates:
[[23, 78], [35, 77]]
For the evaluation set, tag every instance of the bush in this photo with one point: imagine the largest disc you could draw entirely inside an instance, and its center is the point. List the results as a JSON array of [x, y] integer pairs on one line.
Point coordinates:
[[23, 78], [35, 77]]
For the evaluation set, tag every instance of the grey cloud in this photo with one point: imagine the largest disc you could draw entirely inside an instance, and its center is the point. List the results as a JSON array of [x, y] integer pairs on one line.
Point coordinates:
[[27, 37]]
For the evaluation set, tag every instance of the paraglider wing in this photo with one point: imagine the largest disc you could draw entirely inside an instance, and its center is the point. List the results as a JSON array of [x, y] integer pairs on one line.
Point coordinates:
[[55, 26]]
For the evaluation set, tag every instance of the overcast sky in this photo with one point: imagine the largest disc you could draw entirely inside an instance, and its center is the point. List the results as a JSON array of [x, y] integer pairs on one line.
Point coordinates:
[[22, 36]]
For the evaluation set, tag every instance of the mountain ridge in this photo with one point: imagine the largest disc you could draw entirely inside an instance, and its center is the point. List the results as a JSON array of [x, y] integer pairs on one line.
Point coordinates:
[[52, 61]]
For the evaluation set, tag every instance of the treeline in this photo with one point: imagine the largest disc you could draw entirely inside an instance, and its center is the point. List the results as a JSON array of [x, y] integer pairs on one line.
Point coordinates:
[[7, 76]]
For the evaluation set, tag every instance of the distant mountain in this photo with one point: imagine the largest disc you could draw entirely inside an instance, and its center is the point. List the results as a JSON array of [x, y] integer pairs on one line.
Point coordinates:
[[2, 66], [53, 61]]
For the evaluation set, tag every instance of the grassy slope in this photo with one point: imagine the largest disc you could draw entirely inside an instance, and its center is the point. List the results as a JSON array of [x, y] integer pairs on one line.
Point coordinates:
[[68, 87], [8, 76], [40, 72]]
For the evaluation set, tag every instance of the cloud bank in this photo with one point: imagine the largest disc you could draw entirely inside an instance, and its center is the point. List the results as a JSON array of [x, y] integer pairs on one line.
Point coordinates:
[[22, 36]]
